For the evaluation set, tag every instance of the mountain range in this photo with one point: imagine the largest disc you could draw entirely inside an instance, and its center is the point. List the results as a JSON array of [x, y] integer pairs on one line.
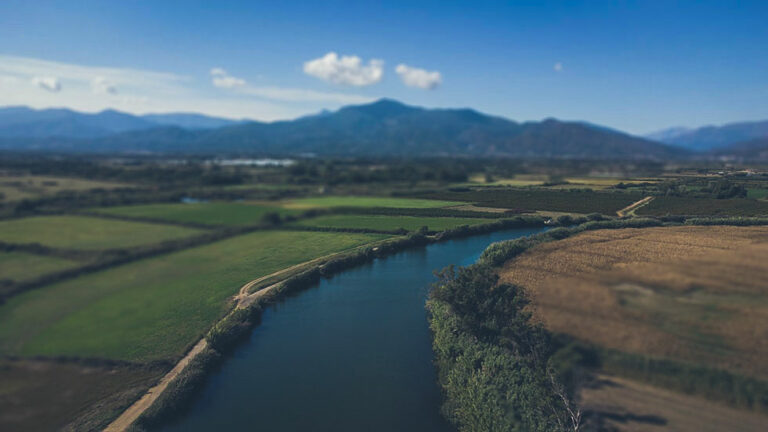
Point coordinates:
[[382, 128], [712, 137], [24, 122]]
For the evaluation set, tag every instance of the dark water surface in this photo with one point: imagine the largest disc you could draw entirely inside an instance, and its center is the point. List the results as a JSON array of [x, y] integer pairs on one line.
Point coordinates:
[[352, 354]]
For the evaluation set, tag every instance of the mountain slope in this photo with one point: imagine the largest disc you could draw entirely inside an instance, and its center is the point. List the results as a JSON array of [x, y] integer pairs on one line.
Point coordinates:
[[189, 120], [752, 150], [24, 122], [712, 137], [388, 128], [59, 122]]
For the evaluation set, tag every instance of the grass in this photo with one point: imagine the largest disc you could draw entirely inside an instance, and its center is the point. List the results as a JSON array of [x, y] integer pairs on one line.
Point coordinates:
[[542, 199], [214, 213], [757, 193], [91, 233], [389, 223], [155, 308], [691, 294], [14, 188], [359, 201], [21, 266], [672, 205]]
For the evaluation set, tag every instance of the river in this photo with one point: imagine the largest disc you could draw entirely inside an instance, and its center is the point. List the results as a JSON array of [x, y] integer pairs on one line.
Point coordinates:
[[351, 354]]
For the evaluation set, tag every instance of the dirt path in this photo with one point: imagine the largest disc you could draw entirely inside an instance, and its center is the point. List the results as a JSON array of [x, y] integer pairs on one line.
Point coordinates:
[[134, 411], [630, 209], [243, 299]]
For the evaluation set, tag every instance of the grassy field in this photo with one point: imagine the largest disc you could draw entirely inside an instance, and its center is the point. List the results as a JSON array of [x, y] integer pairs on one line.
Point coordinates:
[[14, 188], [757, 193], [90, 233], [389, 223], [155, 308], [358, 201], [661, 206], [21, 266], [542, 199], [214, 213], [691, 294]]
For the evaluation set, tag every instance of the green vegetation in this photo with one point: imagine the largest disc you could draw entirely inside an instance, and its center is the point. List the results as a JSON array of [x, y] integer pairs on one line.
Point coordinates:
[[82, 232], [360, 201], [572, 201], [492, 361], [757, 193], [22, 266], [673, 205], [213, 213], [154, 308], [15, 188], [388, 223]]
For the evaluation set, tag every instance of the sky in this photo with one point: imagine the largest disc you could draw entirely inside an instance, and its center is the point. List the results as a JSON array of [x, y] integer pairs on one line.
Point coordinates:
[[637, 66]]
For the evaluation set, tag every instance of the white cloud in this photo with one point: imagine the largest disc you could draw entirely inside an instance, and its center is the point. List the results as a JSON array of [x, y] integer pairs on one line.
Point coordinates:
[[140, 91], [346, 70], [52, 84], [421, 78], [222, 79], [558, 67], [101, 85]]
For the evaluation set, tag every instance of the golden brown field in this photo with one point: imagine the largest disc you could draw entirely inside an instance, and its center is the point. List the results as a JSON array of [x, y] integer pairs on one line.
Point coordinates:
[[635, 407], [697, 294]]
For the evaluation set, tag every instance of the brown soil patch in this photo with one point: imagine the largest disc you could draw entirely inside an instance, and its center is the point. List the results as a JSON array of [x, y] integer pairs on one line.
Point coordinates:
[[38, 395], [630, 406], [697, 294]]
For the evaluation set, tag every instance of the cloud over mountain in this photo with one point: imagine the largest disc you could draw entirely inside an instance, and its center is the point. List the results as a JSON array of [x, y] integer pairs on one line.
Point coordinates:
[[346, 70], [52, 84], [420, 78]]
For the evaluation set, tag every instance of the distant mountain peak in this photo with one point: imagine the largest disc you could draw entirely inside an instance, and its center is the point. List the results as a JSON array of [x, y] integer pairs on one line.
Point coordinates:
[[712, 137]]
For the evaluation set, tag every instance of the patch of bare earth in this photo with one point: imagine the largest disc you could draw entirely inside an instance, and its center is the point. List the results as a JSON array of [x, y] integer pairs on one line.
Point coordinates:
[[630, 406], [697, 294], [39, 395]]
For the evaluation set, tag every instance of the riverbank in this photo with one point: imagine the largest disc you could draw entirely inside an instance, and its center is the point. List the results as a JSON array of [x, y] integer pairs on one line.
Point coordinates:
[[472, 319], [249, 305]]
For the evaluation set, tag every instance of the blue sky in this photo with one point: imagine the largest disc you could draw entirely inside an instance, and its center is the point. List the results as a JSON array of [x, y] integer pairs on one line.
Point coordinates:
[[632, 65]]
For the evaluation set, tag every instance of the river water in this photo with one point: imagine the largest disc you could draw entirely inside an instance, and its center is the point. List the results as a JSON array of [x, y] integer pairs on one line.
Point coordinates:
[[351, 354]]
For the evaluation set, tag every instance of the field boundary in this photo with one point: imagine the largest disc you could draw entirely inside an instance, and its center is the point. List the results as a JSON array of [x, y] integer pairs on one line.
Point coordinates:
[[137, 408], [238, 320], [630, 209]]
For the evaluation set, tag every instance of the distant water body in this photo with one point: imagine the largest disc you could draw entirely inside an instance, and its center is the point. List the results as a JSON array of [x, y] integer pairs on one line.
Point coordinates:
[[352, 354]]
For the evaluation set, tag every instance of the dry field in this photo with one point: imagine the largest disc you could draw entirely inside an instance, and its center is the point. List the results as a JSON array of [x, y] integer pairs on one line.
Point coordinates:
[[697, 294], [630, 406], [14, 188]]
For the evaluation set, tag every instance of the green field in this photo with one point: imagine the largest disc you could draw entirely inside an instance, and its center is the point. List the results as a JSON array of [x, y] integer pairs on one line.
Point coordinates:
[[214, 213], [757, 193], [571, 201], [672, 205], [21, 266], [83, 232], [15, 188], [357, 201], [389, 223], [154, 308]]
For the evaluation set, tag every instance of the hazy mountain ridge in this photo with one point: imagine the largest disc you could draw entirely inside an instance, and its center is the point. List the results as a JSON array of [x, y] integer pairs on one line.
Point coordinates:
[[712, 137], [382, 128], [24, 122]]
